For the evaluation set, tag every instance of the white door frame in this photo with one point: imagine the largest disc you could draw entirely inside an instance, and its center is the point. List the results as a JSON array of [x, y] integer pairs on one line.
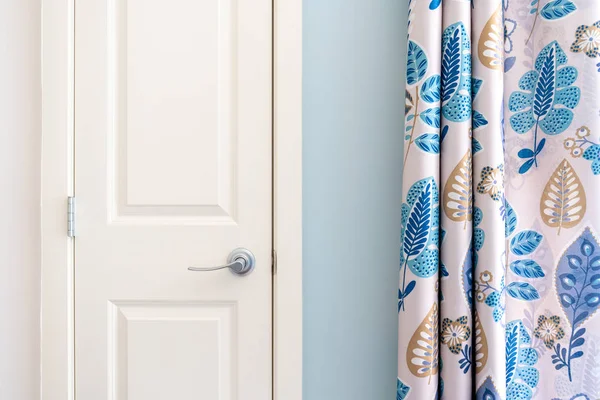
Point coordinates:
[[57, 319]]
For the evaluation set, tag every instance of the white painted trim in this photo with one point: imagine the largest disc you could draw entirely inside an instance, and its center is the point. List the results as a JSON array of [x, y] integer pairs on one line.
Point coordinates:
[[57, 320], [57, 183], [287, 186]]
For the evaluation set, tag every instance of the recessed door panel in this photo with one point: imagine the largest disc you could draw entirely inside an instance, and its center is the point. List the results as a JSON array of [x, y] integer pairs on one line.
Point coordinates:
[[172, 169]]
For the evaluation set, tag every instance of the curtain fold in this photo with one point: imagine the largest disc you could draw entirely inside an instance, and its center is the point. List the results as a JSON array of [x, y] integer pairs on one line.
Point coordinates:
[[500, 257]]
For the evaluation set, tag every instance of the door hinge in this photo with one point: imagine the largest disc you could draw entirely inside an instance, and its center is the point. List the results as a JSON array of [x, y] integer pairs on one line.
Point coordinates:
[[274, 262], [71, 216]]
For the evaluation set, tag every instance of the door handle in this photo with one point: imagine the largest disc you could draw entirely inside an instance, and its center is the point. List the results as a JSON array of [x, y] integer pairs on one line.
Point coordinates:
[[240, 261]]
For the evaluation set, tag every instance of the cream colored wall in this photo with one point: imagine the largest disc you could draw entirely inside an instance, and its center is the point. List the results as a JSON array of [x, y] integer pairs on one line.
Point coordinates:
[[20, 93]]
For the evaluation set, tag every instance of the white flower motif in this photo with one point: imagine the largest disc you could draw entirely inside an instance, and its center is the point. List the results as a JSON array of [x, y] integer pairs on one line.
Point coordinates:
[[569, 143], [584, 131], [589, 40]]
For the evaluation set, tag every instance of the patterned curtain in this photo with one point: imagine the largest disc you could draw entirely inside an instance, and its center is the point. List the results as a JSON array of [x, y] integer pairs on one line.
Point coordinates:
[[500, 254]]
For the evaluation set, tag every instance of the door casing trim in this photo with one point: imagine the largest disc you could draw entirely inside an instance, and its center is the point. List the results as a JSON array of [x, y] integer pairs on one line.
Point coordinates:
[[57, 269]]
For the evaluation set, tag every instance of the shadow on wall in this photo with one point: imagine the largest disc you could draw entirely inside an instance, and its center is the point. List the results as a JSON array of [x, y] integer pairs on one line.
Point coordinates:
[[354, 54]]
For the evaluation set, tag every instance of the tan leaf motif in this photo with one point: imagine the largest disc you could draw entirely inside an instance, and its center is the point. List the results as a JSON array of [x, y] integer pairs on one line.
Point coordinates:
[[422, 351], [490, 48], [563, 202], [481, 345], [458, 192]]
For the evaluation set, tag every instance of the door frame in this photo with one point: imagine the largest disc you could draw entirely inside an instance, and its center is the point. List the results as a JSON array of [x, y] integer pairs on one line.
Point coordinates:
[[57, 269]]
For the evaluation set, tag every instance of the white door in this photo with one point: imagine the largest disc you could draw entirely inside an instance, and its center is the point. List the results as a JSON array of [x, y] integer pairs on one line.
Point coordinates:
[[172, 169]]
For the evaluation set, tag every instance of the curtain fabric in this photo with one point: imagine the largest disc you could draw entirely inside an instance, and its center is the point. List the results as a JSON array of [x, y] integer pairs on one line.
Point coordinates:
[[500, 255]]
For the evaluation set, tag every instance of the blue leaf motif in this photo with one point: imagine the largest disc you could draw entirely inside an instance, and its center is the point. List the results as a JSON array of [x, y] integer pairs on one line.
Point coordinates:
[[576, 278], [444, 132], [546, 100], [487, 390], [467, 277], [525, 242], [557, 9], [509, 62], [431, 117], [478, 120], [419, 235], [419, 223], [402, 390], [510, 219], [476, 145], [521, 375], [430, 91], [429, 143], [545, 89], [416, 66], [522, 291], [526, 166], [434, 4], [551, 99], [456, 73], [527, 269]]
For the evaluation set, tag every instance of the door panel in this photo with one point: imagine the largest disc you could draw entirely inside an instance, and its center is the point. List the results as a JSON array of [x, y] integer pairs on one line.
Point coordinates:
[[172, 169]]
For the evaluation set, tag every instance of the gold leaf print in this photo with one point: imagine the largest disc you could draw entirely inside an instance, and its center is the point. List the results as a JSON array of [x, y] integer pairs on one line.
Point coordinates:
[[481, 345], [422, 352], [563, 202], [458, 194], [491, 42]]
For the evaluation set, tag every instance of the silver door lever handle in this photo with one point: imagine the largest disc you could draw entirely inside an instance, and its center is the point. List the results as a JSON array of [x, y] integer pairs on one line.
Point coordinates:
[[240, 261]]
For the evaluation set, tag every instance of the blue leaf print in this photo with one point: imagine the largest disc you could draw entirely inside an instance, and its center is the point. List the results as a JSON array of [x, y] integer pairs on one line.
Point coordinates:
[[509, 62], [476, 146], [476, 85], [429, 142], [402, 390], [545, 89], [434, 4], [525, 242], [557, 9], [592, 153], [456, 73], [478, 120], [430, 91], [419, 223], [487, 390], [419, 234], [522, 291], [578, 279], [577, 282], [431, 117], [444, 132], [416, 66], [510, 219], [545, 102], [521, 375], [527, 269]]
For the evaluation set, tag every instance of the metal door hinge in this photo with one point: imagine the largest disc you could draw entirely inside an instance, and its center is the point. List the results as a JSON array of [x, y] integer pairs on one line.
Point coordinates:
[[274, 262], [71, 216]]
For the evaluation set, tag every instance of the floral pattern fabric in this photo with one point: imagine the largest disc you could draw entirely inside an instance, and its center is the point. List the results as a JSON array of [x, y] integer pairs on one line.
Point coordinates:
[[500, 246]]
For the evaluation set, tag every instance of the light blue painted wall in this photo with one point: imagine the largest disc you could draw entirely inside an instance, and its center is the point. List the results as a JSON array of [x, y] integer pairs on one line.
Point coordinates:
[[354, 53]]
